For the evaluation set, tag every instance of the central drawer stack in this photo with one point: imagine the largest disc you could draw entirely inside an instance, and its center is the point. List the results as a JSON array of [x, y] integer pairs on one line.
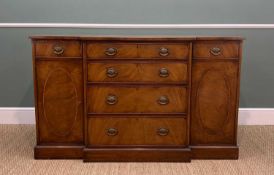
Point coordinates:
[[137, 100]]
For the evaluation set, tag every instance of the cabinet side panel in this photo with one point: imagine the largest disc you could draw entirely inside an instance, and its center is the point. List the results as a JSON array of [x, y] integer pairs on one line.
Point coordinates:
[[60, 102], [35, 91], [214, 102]]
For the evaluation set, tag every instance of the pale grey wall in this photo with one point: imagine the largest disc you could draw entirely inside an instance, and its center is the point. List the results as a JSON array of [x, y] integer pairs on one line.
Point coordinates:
[[16, 89], [257, 80], [138, 11]]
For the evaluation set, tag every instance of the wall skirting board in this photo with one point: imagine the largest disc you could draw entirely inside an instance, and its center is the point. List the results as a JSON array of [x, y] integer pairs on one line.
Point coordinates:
[[136, 26], [247, 116]]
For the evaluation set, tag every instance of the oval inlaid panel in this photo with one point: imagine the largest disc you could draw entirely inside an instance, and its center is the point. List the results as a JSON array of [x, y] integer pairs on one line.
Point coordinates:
[[60, 102], [213, 101]]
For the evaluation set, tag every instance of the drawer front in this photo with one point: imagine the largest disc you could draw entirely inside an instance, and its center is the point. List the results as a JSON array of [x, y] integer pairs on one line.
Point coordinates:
[[136, 131], [142, 72], [216, 49], [162, 51], [109, 50], [58, 48], [140, 99]]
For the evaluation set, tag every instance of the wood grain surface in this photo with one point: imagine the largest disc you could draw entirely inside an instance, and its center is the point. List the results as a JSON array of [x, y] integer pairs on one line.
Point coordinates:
[[138, 72], [136, 99], [136, 131], [60, 106], [228, 49], [214, 101], [71, 48]]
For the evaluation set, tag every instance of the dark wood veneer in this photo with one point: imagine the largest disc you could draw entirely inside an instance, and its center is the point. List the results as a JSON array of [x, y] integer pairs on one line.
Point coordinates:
[[137, 131], [125, 98], [137, 72], [59, 101], [137, 155], [214, 100], [136, 99], [69, 48]]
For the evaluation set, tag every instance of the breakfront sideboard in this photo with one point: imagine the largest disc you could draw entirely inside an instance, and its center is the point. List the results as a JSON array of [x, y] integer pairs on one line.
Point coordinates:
[[125, 98]]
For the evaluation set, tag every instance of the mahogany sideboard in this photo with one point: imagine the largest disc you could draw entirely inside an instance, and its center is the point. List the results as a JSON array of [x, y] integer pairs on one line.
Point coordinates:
[[136, 98]]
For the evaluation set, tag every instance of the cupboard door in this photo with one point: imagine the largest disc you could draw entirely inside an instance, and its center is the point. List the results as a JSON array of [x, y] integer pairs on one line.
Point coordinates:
[[60, 102], [214, 102]]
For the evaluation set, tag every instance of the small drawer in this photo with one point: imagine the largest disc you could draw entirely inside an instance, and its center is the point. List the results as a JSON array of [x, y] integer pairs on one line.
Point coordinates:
[[145, 130], [216, 49], [136, 99], [162, 51], [137, 72], [58, 48], [111, 50]]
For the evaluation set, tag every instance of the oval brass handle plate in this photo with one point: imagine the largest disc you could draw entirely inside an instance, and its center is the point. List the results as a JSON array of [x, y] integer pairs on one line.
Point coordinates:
[[111, 72], [163, 51], [162, 131], [163, 100], [111, 99], [112, 131], [111, 51], [215, 51], [58, 50], [163, 72]]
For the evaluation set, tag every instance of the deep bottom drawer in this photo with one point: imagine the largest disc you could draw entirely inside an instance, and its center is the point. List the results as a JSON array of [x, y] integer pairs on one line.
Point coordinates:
[[137, 131]]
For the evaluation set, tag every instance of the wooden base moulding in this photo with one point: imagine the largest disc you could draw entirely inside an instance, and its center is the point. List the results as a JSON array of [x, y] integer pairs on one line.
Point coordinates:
[[58, 152], [136, 154]]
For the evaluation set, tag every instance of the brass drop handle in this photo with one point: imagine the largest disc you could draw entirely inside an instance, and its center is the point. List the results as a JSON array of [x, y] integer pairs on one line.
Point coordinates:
[[215, 51], [58, 50], [112, 131], [163, 72], [111, 51], [163, 51], [111, 99], [162, 131], [111, 72], [163, 100]]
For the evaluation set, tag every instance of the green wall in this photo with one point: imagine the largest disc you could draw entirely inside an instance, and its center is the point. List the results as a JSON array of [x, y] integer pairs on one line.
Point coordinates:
[[138, 11], [257, 80]]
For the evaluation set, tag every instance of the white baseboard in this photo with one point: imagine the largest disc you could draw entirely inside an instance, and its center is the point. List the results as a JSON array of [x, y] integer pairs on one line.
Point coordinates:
[[17, 116], [256, 116], [247, 116]]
